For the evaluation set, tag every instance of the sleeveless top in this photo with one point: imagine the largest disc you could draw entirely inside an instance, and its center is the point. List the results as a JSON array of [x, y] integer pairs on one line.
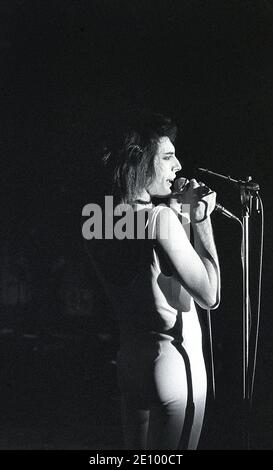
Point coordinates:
[[145, 293]]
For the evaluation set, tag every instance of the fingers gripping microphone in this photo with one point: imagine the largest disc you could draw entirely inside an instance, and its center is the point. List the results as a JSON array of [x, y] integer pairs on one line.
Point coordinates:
[[181, 184]]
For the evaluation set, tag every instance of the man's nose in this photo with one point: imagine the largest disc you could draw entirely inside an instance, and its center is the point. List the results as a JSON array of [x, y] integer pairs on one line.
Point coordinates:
[[177, 165]]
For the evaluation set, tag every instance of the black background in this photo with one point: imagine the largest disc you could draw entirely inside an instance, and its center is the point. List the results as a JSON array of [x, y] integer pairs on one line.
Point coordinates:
[[68, 69]]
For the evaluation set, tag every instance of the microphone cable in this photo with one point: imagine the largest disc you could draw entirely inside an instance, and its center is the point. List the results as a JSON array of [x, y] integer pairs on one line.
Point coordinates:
[[256, 339]]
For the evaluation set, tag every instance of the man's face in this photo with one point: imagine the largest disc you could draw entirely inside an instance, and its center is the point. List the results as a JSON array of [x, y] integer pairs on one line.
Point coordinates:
[[166, 166]]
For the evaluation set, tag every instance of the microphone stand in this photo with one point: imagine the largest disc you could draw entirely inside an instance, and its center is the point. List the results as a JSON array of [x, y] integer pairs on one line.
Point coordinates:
[[248, 190]]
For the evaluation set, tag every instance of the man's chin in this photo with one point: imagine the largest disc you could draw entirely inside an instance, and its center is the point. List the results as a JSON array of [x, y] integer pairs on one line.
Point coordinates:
[[164, 195]]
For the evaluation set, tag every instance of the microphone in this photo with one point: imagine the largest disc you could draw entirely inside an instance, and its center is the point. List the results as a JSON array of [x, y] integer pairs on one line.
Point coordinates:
[[181, 184]]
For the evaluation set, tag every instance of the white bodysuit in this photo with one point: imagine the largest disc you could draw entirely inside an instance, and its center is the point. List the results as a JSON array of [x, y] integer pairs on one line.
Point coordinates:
[[161, 368]]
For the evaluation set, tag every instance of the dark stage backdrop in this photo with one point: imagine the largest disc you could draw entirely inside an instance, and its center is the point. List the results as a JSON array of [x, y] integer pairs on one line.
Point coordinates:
[[68, 70]]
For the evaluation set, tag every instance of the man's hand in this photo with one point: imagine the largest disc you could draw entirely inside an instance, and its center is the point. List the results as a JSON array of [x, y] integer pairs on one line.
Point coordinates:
[[195, 203]]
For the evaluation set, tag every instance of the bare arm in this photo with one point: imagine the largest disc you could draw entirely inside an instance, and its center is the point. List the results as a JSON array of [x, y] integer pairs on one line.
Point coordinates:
[[205, 247], [196, 267]]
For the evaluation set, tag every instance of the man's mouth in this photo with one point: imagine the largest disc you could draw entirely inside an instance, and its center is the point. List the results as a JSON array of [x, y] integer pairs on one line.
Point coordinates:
[[170, 181]]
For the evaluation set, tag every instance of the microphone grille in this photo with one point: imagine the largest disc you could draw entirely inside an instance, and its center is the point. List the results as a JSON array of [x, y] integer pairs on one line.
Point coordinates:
[[180, 184]]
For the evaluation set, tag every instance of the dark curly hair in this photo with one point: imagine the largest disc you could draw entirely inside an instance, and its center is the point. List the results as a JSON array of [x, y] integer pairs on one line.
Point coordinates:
[[129, 158]]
